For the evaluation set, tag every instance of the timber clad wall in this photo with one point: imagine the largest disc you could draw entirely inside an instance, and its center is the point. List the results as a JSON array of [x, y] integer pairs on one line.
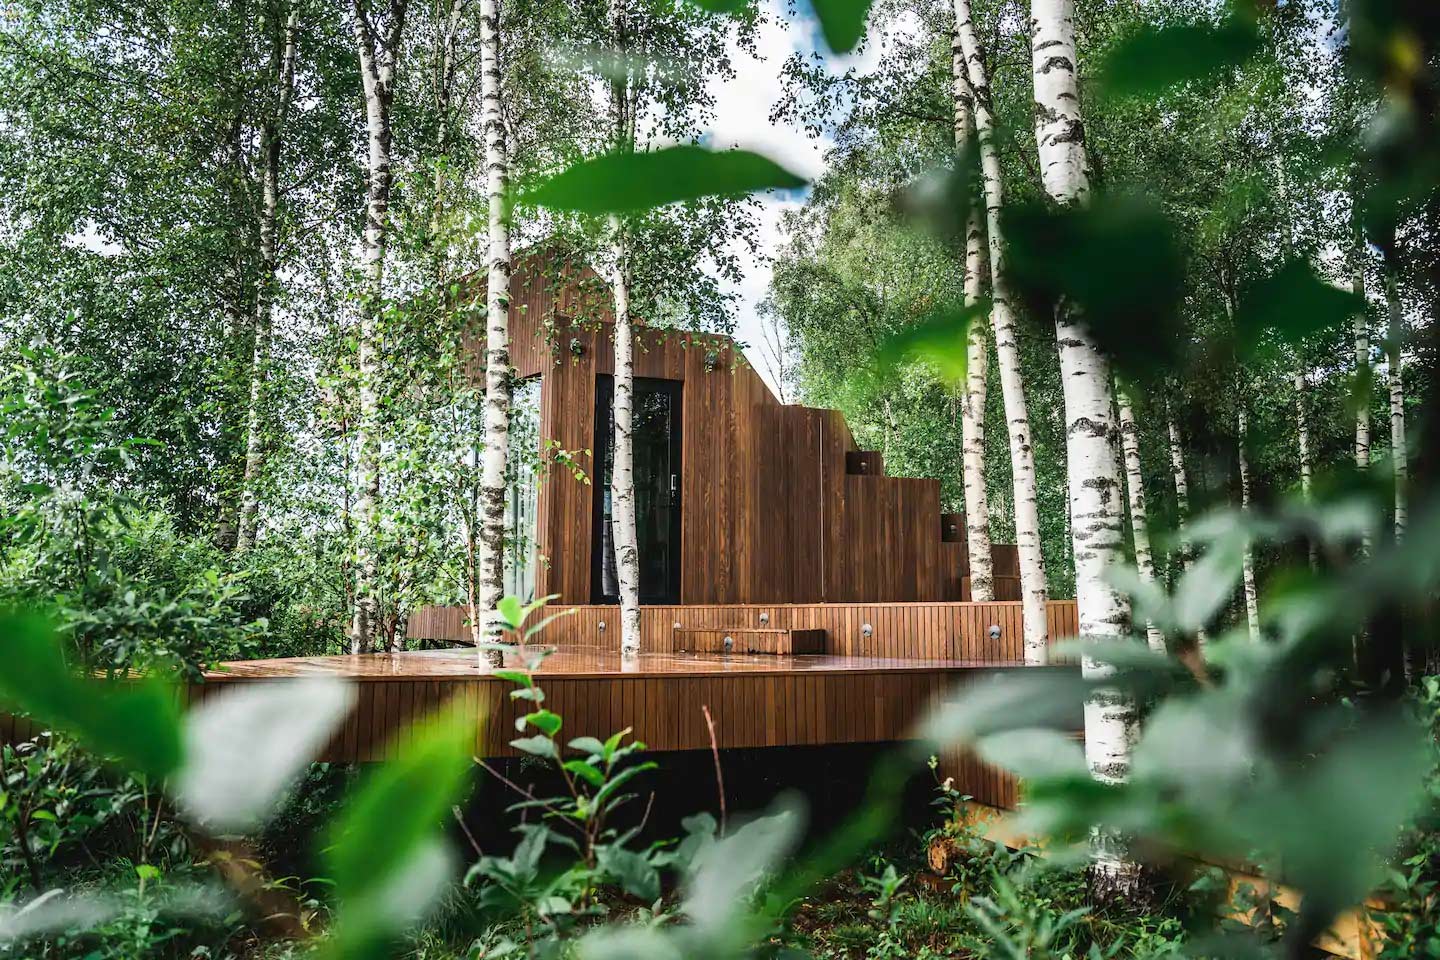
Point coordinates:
[[768, 510], [950, 631]]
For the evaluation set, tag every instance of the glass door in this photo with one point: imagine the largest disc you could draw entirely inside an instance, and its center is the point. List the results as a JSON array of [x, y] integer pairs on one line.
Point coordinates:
[[656, 433]]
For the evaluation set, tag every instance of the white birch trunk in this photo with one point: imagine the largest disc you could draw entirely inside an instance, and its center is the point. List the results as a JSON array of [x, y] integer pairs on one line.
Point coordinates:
[[1362, 364], [1139, 514], [1096, 497], [1393, 343], [271, 142], [1247, 561], [1182, 504], [497, 332], [1302, 433], [976, 388], [622, 475], [1007, 351], [1303, 448], [378, 56]]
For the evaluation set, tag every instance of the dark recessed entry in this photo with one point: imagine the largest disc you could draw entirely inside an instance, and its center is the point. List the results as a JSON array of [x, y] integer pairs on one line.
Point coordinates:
[[656, 431]]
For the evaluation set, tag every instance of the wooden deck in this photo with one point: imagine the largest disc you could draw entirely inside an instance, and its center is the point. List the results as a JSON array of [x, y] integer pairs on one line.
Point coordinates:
[[755, 700]]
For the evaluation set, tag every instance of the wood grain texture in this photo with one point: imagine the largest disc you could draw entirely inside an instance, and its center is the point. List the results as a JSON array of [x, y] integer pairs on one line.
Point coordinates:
[[778, 504], [755, 700], [958, 630]]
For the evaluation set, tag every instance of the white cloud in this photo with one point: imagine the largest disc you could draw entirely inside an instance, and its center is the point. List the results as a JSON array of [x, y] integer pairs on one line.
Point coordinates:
[[742, 119]]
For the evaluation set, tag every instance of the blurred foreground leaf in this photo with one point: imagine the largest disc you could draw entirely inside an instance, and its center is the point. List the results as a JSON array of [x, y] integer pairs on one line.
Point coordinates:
[[842, 22], [136, 722], [386, 857], [246, 744], [1117, 263], [628, 182], [940, 339], [1292, 303], [1158, 58]]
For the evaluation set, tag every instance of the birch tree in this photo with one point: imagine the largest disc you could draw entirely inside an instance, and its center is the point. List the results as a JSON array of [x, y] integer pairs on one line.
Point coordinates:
[[1394, 338], [1247, 558], [497, 329], [378, 36], [1007, 351], [1139, 514], [1097, 514], [622, 472], [972, 401], [282, 65]]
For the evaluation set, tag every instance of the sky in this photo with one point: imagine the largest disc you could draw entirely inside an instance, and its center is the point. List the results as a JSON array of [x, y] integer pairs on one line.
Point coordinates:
[[742, 111]]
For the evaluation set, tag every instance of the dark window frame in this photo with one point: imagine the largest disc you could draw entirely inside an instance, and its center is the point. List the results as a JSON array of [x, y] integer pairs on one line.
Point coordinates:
[[604, 432]]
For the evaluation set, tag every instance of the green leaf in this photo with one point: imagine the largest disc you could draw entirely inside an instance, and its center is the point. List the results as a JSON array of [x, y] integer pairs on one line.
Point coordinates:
[[536, 746], [588, 745], [545, 721], [514, 676], [137, 722], [1292, 303], [1114, 261], [941, 339], [245, 745], [510, 610], [1035, 753], [388, 832], [629, 182], [842, 22], [722, 6], [725, 872], [1156, 59], [585, 771]]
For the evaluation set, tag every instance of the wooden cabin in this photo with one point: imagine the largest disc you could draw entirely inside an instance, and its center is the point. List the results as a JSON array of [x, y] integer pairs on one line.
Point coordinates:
[[741, 499]]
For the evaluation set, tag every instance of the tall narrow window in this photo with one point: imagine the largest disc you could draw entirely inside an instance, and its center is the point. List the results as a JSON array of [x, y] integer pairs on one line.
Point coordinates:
[[656, 430], [523, 488]]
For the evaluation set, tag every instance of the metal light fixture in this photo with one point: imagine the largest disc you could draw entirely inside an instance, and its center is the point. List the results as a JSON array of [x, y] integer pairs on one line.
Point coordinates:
[[867, 631], [764, 617], [602, 624], [994, 631]]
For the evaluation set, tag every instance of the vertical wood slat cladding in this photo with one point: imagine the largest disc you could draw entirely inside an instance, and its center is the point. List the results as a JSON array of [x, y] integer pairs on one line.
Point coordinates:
[[957, 631], [768, 512], [759, 709]]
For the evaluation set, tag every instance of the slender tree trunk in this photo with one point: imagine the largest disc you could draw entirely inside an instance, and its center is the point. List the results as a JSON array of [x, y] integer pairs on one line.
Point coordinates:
[[444, 96], [1302, 433], [234, 300], [622, 474], [1303, 447], [1096, 495], [1139, 516], [1007, 350], [1364, 374], [1182, 507], [1394, 340], [972, 403], [1252, 595], [379, 48], [271, 141], [497, 330]]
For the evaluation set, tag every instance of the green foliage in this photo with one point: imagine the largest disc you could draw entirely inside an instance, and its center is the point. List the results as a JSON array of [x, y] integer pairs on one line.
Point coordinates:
[[1154, 60], [136, 721], [388, 869]]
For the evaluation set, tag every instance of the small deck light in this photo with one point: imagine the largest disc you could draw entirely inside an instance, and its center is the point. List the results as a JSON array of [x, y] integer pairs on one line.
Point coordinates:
[[866, 630], [764, 617], [994, 631]]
